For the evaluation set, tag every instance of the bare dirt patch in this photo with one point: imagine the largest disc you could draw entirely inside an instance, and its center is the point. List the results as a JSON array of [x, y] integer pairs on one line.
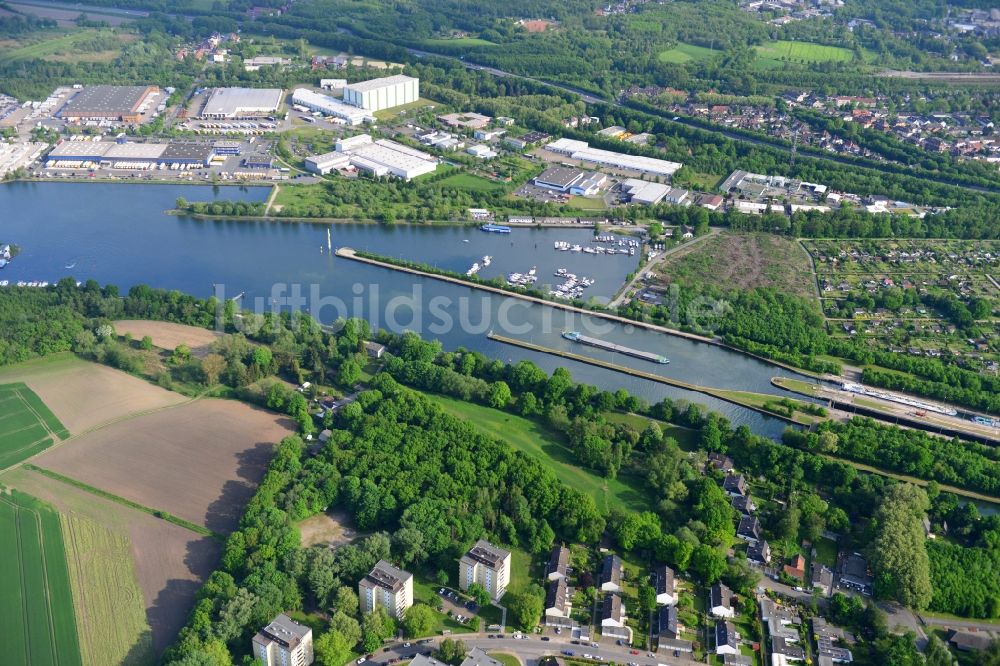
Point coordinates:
[[200, 461], [743, 261], [84, 395], [333, 528], [170, 562], [166, 334]]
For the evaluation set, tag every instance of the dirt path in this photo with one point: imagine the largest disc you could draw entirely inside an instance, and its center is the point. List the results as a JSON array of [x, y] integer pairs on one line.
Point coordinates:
[[270, 199], [686, 247]]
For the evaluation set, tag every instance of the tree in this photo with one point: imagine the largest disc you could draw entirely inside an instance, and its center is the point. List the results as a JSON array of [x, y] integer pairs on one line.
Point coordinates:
[[707, 564], [376, 628], [647, 597], [212, 367], [350, 373], [499, 395], [346, 601], [451, 651], [182, 353], [479, 593], [937, 653], [146, 343], [526, 607], [408, 546], [235, 615], [898, 553], [332, 649], [346, 626], [419, 620]]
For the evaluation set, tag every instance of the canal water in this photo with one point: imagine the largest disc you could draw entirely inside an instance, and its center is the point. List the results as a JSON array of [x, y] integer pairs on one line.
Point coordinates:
[[121, 234]]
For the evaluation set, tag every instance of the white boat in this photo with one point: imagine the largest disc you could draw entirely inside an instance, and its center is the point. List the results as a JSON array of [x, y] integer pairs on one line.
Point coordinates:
[[474, 269], [487, 260], [576, 248], [4, 283]]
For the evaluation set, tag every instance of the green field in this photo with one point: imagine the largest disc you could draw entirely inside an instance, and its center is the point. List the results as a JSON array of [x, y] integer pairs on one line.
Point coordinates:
[[76, 44], [683, 53], [470, 183], [545, 445], [36, 602], [110, 612], [27, 426], [781, 51], [587, 203]]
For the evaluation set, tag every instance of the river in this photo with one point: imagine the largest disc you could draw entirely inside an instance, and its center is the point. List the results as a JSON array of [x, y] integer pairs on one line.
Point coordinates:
[[121, 234]]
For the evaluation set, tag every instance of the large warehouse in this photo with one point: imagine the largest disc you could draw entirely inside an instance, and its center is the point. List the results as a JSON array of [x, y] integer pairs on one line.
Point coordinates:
[[386, 158], [112, 103], [242, 103], [351, 115], [384, 93], [581, 150], [184, 154]]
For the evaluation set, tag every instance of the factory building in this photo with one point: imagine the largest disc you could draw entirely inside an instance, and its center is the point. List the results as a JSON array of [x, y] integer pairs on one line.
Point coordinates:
[[122, 155], [242, 103], [328, 106], [386, 158], [385, 93], [125, 104], [327, 162], [581, 150]]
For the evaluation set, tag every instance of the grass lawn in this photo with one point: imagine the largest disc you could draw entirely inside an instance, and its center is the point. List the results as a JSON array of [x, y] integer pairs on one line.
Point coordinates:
[[396, 111], [301, 195], [506, 659], [470, 183], [587, 203], [684, 53], [71, 46], [826, 551], [782, 51], [548, 448], [686, 438], [27, 426], [36, 599]]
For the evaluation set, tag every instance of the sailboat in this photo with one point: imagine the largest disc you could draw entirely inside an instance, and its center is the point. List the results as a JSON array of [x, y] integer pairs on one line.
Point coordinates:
[[329, 241]]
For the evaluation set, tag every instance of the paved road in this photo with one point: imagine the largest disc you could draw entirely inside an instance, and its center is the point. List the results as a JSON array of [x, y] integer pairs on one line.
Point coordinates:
[[530, 649], [617, 300]]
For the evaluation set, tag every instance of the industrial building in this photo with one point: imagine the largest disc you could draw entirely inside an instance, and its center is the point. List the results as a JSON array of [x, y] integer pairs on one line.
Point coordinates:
[[386, 158], [327, 162], [383, 93], [124, 155], [242, 103], [109, 103], [469, 120], [581, 150], [284, 642], [329, 106], [647, 193], [574, 181]]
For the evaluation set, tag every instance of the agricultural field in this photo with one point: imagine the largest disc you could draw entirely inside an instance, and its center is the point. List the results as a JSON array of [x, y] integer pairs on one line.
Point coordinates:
[[104, 586], [36, 600], [84, 395], [87, 45], [683, 53], [27, 426], [200, 461], [742, 261], [778, 52], [885, 290], [167, 335], [170, 563]]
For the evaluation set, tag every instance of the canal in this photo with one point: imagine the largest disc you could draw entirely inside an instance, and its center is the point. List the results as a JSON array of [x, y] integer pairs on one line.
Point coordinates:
[[121, 234]]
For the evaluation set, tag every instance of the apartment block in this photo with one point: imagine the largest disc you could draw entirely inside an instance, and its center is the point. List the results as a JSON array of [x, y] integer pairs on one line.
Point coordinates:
[[284, 642], [487, 565], [388, 587]]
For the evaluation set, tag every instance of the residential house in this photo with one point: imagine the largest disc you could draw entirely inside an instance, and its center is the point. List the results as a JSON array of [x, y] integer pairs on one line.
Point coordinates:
[[822, 578], [664, 585], [735, 485], [727, 641], [749, 529], [967, 641], [759, 553], [797, 568], [721, 601], [737, 660], [558, 563], [374, 349], [666, 622], [720, 461], [852, 573], [388, 587], [611, 574], [744, 504], [790, 651], [487, 565], [613, 618], [284, 642], [558, 605], [477, 657]]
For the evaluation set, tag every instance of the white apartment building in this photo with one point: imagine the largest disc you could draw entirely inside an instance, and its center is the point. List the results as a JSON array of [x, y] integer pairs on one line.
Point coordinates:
[[388, 587], [284, 642], [383, 93], [487, 565]]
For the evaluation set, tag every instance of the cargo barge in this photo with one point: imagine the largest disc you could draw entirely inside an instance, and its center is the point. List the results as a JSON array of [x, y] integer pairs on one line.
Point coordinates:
[[575, 336]]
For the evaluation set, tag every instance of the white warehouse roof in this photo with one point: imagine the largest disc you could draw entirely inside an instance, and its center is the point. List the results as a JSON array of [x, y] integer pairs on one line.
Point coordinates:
[[233, 102], [375, 84], [330, 106], [581, 150]]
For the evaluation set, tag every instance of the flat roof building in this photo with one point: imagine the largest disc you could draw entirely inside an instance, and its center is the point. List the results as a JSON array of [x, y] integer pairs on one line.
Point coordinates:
[[327, 162], [383, 93], [581, 150], [329, 106], [559, 178], [388, 587], [237, 103], [487, 565], [284, 642], [385, 157], [117, 103]]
